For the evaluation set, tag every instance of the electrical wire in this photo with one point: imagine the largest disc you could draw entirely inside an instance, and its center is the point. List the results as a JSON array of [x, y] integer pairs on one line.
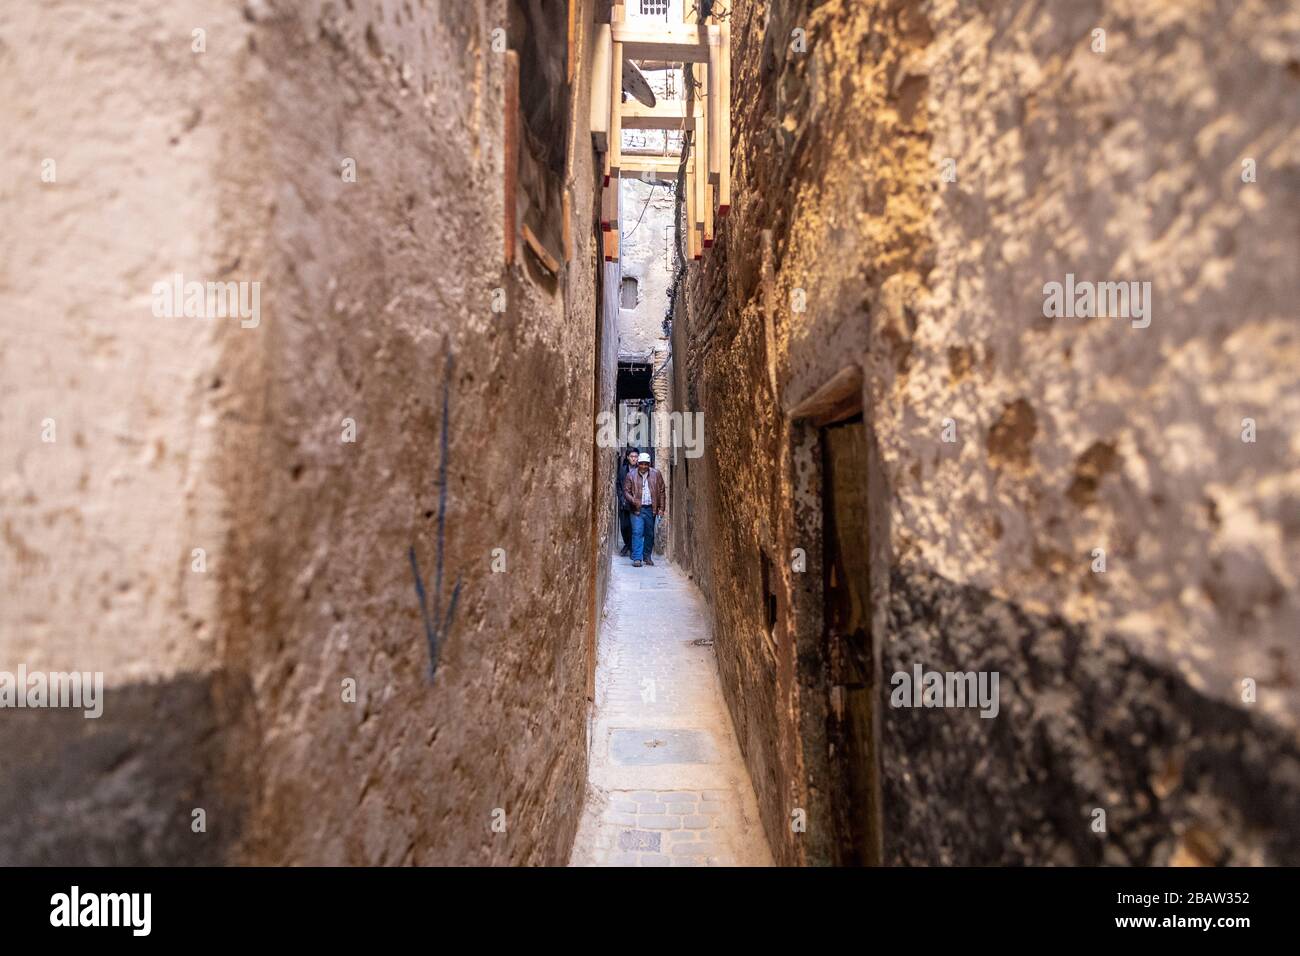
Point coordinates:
[[649, 196]]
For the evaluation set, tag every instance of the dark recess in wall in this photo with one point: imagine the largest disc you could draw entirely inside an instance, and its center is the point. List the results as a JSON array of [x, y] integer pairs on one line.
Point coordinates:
[[633, 381]]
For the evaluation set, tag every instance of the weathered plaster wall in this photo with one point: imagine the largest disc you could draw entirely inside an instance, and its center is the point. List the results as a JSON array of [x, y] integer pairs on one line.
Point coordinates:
[[367, 561], [1119, 690], [647, 213], [129, 157], [605, 478], [474, 434]]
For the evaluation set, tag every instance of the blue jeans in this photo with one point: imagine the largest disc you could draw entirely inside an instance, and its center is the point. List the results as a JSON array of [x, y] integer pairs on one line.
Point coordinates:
[[643, 533]]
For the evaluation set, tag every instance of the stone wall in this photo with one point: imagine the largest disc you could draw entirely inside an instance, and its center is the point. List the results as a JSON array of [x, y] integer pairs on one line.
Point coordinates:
[[131, 157], [647, 212], [446, 572], [905, 186]]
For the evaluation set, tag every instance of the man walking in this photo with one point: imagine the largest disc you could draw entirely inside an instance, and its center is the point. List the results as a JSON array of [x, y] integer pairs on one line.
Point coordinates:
[[627, 464], [644, 492]]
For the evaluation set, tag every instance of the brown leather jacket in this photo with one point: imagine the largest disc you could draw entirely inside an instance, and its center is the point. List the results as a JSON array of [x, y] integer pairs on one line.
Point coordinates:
[[632, 490]]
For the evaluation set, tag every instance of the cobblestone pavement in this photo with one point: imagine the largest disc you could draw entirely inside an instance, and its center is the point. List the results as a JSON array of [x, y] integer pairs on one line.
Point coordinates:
[[666, 783]]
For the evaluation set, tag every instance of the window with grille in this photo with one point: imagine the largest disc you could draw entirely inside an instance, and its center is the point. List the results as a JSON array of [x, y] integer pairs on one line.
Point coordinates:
[[654, 8]]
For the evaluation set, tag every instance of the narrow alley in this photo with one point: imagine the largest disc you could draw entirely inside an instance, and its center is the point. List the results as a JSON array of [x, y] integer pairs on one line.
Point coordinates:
[[666, 782], [941, 356]]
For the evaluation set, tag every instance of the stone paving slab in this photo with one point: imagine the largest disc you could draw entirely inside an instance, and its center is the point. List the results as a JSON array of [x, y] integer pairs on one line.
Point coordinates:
[[659, 745], [666, 785]]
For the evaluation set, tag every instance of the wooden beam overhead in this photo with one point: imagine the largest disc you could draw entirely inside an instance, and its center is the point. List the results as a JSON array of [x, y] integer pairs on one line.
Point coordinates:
[[567, 226], [668, 114], [613, 152], [607, 211], [570, 59], [709, 192], [655, 164], [651, 66], [648, 151], [713, 107], [677, 44], [616, 226], [693, 233], [600, 87], [701, 151], [692, 246], [544, 255], [724, 147], [835, 400], [510, 175]]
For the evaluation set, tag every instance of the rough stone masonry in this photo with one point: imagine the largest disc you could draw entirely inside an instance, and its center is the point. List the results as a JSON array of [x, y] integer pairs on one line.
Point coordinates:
[[908, 176], [278, 542]]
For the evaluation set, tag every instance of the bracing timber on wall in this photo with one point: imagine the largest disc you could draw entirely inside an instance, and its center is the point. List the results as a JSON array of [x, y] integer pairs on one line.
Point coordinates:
[[539, 131], [702, 52]]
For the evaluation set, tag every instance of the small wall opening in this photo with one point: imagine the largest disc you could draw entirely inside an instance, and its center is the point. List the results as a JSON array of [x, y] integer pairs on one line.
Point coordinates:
[[627, 297], [770, 606], [636, 406], [633, 381]]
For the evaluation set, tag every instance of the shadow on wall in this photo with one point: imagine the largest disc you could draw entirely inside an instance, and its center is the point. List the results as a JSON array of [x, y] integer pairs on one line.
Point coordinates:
[[1083, 726], [122, 790]]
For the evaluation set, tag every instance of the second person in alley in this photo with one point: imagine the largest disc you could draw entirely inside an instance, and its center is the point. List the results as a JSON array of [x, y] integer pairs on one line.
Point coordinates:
[[626, 466], [644, 492]]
